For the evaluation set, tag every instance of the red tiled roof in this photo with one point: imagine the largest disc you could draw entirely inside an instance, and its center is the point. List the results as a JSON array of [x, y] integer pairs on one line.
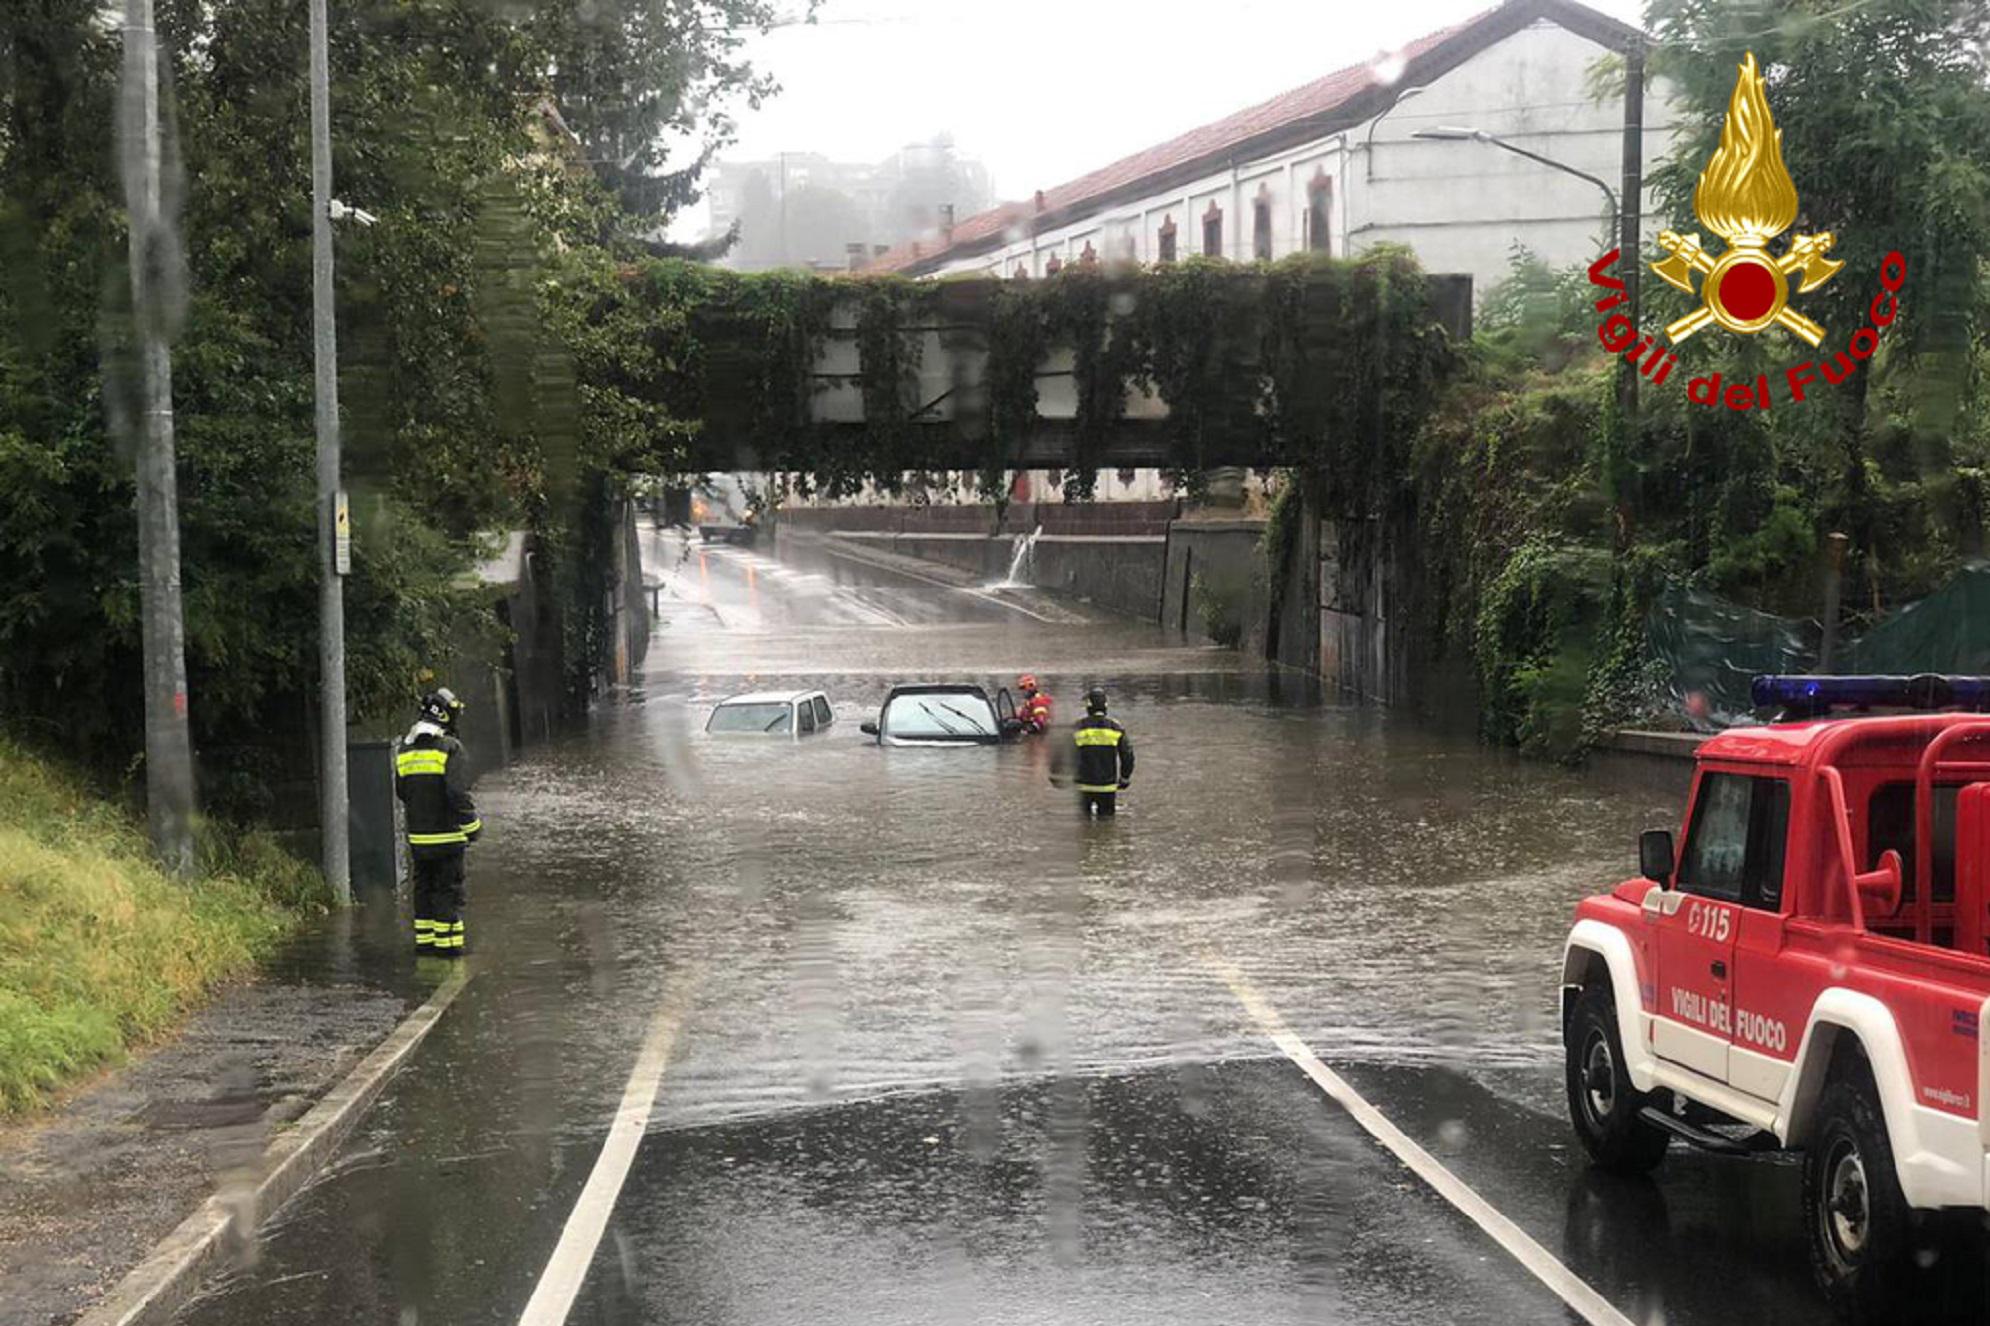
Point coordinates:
[[1318, 99]]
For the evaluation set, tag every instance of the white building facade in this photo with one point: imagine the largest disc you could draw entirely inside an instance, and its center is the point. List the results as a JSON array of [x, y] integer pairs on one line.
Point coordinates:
[[1336, 166]]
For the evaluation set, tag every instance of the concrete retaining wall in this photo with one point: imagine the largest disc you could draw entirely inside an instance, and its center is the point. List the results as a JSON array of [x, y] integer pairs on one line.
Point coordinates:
[[1222, 557], [1111, 555]]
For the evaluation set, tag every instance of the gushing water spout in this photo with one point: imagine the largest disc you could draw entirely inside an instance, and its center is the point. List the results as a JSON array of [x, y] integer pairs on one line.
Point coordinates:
[[1021, 561]]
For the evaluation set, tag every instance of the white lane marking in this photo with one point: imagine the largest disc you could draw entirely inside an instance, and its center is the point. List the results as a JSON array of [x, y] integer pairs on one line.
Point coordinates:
[[1576, 1292], [560, 1283]]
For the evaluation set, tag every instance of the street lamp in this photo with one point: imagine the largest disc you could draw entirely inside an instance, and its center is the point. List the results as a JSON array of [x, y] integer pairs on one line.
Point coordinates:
[[1405, 95], [1627, 225], [1451, 133]]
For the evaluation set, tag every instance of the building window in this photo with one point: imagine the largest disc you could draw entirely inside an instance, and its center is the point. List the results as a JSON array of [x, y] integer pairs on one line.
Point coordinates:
[[1054, 266], [1320, 214], [1212, 232], [1261, 225], [1167, 239]]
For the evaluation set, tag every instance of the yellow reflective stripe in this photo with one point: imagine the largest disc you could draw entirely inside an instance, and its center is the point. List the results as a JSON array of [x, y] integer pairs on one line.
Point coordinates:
[[449, 941], [474, 826], [422, 925], [421, 762], [1098, 787], [437, 839], [1098, 736]]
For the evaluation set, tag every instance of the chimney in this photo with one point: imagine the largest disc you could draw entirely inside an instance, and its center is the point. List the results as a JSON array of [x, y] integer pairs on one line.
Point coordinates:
[[946, 223], [854, 253], [1039, 200]]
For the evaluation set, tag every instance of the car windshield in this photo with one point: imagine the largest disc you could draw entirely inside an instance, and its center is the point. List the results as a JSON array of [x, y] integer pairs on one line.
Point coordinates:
[[774, 716], [950, 714]]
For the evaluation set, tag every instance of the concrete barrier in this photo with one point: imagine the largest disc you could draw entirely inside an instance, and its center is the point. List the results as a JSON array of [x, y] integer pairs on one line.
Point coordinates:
[[1111, 555]]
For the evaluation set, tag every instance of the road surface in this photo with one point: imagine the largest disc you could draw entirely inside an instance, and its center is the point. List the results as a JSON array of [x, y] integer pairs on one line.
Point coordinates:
[[894, 1038]]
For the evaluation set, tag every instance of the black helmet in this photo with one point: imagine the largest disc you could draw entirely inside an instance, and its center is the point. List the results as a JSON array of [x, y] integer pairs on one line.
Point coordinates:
[[441, 707], [1095, 701]]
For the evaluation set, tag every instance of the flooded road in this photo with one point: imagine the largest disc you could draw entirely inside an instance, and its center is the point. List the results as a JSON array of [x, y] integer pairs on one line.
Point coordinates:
[[940, 1051]]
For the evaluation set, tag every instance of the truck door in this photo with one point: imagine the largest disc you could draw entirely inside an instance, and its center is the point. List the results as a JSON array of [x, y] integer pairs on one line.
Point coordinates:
[[1729, 845], [1770, 996]]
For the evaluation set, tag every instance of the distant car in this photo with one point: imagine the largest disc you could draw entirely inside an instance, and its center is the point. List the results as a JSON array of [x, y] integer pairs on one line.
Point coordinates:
[[944, 714], [720, 527], [772, 714]]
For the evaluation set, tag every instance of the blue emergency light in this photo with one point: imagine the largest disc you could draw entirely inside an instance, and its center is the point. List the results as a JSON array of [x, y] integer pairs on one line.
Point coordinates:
[[1817, 695]]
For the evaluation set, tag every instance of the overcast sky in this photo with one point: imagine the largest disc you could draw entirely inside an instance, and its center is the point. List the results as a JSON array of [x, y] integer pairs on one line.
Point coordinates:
[[1045, 90]]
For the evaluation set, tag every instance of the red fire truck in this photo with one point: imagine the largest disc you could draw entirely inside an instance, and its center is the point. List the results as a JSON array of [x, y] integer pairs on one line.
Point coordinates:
[[1810, 971]]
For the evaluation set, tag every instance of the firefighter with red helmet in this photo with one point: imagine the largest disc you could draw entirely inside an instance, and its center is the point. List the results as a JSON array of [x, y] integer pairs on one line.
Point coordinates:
[[431, 778], [1034, 706]]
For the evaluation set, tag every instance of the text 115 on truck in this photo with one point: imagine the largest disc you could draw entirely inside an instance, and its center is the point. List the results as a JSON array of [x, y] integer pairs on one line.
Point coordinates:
[[1810, 971]]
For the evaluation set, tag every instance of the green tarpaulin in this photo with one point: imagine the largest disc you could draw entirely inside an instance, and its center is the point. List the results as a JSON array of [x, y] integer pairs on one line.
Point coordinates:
[[1711, 648]]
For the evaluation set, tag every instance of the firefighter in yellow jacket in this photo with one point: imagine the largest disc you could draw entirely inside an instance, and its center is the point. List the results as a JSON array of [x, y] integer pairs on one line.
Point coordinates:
[[1099, 759], [431, 780]]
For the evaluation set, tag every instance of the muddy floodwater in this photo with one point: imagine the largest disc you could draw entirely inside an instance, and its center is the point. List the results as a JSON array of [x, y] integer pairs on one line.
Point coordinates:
[[942, 1051]]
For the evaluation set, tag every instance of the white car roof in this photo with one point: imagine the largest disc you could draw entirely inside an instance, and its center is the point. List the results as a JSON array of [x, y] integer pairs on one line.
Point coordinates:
[[767, 697]]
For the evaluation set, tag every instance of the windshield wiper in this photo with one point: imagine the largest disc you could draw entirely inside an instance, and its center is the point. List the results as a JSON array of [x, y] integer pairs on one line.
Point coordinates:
[[949, 728], [969, 719], [778, 720]]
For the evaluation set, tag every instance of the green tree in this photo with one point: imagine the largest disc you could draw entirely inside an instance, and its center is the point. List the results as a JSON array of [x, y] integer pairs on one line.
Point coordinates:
[[1885, 118], [476, 396], [633, 76]]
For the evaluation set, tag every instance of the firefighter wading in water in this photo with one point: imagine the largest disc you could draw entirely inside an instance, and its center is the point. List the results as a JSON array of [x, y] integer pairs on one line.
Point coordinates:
[[1103, 755], [429, 777]]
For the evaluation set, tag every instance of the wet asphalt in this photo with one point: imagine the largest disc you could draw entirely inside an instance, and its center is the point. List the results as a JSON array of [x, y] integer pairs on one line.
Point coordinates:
[[949, 1054]]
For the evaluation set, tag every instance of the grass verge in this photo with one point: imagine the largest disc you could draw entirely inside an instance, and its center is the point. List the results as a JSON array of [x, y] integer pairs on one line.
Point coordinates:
[[99, 948]]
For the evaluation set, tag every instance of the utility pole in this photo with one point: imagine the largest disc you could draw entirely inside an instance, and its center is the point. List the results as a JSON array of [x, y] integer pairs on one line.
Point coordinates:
[[1835, 545], [1630, 219], [332, 792], [169, 793]]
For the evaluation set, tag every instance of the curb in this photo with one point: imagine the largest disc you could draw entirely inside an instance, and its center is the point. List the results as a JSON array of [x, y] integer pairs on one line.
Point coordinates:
[[1664, 745], [160, 1285]]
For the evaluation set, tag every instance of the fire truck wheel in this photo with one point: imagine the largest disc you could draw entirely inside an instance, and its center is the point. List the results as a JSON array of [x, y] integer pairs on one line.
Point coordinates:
[[1603, 1104], [1858, 1224]]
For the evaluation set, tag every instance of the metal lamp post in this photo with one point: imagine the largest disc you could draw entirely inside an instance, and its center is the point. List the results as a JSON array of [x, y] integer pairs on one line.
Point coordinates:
[[1453, 133], [1627, 208], [1627, 220]]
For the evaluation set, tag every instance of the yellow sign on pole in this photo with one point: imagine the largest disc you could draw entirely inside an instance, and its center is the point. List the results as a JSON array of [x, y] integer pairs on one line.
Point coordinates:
[[342, 535]]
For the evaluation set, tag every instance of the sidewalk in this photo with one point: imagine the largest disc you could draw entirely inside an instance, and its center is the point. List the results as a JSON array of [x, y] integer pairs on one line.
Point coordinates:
[[87, 1189]]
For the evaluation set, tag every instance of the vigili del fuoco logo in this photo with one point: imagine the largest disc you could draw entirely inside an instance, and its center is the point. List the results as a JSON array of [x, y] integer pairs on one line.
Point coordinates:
[[1747, 198]]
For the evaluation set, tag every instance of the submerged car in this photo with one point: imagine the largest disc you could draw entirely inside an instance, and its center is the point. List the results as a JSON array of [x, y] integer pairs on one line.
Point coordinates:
[[944, 714], [772, 714]]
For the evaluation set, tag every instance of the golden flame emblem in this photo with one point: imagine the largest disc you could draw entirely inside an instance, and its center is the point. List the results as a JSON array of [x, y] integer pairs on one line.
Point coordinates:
[[1746, 196]]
